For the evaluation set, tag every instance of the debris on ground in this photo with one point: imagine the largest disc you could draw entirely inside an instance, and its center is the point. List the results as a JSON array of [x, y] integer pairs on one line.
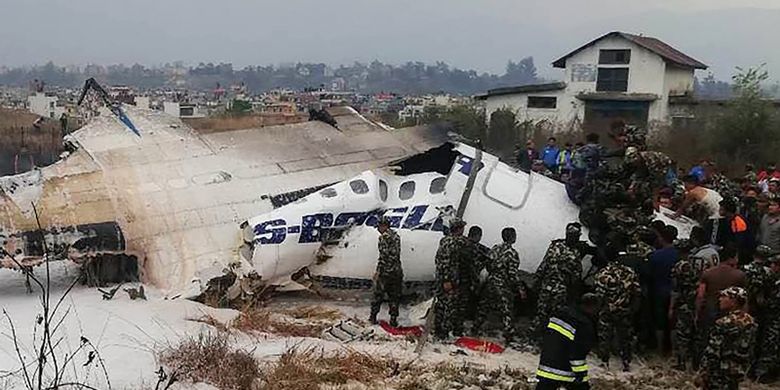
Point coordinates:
[[347, 331]]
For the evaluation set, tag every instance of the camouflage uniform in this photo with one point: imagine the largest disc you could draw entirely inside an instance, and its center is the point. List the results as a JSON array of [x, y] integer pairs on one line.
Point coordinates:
[[559, 270], [635, 137], [475, 259], [768, 354], [501, 289], [447, 308], [727, 357], [389, 281], [686, 277], [618, 289], [723, 186]]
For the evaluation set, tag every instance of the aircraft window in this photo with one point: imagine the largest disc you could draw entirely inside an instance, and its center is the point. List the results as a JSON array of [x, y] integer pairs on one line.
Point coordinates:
[[328, 193], [359, 186], [437, 185], [406, 191], [382, 190]]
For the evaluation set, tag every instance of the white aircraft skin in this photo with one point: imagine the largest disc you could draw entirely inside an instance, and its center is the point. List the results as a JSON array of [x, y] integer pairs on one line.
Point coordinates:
[[285, 240]]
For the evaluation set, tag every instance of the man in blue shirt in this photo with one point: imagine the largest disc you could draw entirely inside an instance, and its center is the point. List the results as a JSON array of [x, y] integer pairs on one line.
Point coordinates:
[[661, 262], [550, 154]]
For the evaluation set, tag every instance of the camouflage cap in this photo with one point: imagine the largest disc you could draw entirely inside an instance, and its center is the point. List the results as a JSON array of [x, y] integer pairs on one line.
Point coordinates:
[[736, 293], [383, 220], [457, 222], [764, 251], [683, 244], [574, 227], [774, 258]]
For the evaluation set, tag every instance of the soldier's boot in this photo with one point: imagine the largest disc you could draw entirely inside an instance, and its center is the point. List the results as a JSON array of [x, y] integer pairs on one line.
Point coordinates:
[[394, 314], [374, 312], [680, 366], [626, 366]]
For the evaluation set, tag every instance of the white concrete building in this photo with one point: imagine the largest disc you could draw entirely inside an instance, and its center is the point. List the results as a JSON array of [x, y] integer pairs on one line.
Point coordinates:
[[616, 77], [183, 110], [45, 105]]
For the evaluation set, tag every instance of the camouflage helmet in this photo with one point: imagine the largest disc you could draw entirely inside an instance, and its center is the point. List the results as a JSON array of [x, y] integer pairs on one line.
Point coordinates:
[[764, 251], [736, 293]]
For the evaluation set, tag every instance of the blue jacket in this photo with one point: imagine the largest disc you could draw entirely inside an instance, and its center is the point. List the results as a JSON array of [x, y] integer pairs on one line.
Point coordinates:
[[550, 156]]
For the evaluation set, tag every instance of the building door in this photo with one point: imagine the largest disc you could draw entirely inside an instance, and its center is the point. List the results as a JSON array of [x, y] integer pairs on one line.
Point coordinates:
[[600, 115]]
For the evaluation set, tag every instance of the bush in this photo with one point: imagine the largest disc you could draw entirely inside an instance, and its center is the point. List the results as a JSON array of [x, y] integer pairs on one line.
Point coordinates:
[[210, 359]]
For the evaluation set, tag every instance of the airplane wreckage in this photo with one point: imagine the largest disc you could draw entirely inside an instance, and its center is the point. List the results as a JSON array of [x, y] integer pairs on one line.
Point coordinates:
[[266, 205]]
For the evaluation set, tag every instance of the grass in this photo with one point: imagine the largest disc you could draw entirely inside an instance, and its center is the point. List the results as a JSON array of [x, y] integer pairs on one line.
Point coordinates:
[[310, 368], [210, 358], [263, 321]]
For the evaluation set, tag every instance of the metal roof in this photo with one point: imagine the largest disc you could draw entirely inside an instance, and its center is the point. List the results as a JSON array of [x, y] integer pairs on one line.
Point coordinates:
[[655, 45], [522, 89]]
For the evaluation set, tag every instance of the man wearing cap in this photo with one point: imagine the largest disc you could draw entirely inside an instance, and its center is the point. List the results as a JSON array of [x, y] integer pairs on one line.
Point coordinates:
[[617, 287], [768, 354], [567, 340], [559, 273], [726, 358], [447, 307], [503, 285], [389, 276]]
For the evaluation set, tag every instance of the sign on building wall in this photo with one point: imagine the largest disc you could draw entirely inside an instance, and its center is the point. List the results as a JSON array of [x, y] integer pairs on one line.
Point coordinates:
[[583, 73]]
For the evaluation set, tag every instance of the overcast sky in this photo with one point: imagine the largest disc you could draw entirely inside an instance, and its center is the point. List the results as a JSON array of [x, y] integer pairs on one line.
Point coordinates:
[[478, 34]]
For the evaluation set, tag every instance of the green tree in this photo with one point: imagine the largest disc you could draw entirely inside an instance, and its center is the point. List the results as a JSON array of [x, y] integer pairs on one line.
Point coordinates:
[[504, 132], [748, 130], [240, 107]]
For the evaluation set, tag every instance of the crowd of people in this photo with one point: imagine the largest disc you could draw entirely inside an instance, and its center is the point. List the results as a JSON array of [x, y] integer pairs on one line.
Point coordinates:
[[711, 300]]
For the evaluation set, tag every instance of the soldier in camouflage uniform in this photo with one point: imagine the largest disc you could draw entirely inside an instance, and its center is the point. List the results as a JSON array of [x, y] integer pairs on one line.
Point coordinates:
[[768, 356], [503, 285], [682, 310], [389, 276], [727, 356], [617, 287], [447, 306], [559, 273], [474, 260]]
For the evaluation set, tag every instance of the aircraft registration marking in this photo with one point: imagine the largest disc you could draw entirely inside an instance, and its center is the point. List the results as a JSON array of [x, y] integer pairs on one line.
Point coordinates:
[[310, 230]]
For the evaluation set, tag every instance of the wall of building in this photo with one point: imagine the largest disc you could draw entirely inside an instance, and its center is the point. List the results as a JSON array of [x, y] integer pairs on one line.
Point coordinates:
[[45, 106]]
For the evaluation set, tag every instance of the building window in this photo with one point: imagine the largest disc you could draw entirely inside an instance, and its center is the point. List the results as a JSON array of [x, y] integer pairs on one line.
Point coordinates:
[[542, 101], [437, 185], [186, 111], [614, 57], [359, 186], [612, 80], [406, 191]]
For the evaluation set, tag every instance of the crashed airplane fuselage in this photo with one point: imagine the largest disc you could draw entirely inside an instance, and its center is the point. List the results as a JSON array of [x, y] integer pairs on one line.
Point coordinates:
[[331, 232], [173, 197]]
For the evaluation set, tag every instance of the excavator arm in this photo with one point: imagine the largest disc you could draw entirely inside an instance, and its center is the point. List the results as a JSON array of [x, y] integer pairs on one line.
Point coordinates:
[[115, 107]]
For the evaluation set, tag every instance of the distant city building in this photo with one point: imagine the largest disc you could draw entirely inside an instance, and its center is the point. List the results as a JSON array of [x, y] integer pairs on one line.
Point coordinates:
[[618, 77], [45, 105], [183, 110]]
